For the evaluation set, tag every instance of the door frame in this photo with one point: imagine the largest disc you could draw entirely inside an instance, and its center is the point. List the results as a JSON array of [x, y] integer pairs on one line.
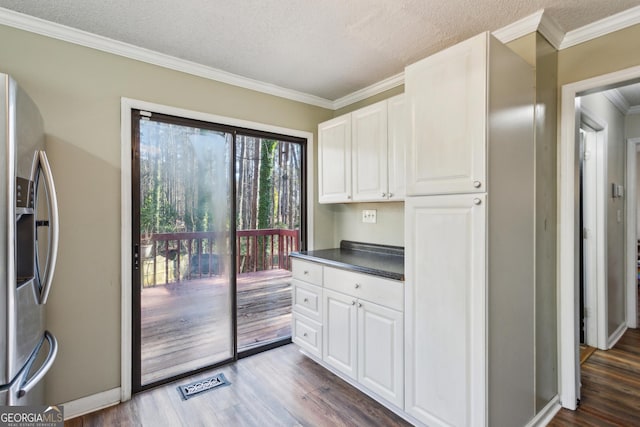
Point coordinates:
[[631, 200], [597, 282], [568, 334], [126, 106]]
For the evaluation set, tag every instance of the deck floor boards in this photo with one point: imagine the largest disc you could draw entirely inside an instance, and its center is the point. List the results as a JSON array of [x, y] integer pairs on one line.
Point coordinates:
[[187, 325]]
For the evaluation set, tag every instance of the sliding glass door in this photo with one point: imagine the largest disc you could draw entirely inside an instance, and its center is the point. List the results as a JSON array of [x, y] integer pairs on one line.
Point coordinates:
[[216, 212], [183, 270]]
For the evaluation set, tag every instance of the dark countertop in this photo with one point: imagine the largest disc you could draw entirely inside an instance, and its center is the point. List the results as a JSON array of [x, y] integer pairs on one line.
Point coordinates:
[[378, 260]]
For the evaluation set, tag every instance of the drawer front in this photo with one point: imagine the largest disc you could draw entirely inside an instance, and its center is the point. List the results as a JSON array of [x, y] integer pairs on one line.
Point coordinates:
[[307, 271], [388, 293], [307, 300], [307, 334]]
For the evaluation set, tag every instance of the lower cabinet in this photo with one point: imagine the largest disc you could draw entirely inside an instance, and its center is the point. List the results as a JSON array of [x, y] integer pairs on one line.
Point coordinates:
[[352, 323], [365, 341]]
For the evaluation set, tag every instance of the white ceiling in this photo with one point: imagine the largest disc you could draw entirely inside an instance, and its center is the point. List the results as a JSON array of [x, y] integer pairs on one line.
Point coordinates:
[[325, 48]]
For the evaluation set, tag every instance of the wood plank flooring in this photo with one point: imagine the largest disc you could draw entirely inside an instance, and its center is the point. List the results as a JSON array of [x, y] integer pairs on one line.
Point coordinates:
[[610, 387], [280, 387], [187, 325]]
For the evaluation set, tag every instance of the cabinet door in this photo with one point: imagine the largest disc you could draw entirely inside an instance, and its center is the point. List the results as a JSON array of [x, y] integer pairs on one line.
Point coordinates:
[[339, 339], [445, 309], [380, 351], [397, 131], [369, 149], [447, 103], [334, 160]]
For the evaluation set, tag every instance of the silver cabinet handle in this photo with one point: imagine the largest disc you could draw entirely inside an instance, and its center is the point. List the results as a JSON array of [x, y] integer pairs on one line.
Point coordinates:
[[305, 334], [357, 285], [477, 201], [54, 227], [390, 195], [305, 272], [359, 305], [353, 302], [51, 357], [477, 184], [306, 300], [384, 195]]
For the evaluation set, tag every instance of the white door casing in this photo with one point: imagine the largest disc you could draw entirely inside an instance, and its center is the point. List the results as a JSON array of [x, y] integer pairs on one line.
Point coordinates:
[[568, 369], [631, 239]]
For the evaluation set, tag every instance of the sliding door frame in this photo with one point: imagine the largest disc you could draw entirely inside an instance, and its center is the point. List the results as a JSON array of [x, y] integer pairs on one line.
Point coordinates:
[[245, 128]]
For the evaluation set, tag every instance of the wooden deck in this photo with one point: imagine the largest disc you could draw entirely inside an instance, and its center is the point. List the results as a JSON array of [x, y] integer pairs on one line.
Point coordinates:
[[187, 325]]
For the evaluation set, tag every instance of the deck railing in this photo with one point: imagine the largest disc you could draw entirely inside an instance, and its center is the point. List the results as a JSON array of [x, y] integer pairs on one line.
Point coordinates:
[[174, 257]]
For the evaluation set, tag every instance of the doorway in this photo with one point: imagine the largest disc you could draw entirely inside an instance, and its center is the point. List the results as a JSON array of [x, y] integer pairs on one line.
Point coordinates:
[[569, 233], [215, 212]]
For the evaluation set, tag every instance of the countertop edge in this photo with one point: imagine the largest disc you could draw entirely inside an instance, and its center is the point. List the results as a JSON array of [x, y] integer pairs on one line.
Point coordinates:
[[349, 267]]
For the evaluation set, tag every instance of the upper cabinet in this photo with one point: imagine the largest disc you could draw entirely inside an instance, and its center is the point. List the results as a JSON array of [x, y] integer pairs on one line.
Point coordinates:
[[334, 157], [369, 150], [361, 155], [446, 96]]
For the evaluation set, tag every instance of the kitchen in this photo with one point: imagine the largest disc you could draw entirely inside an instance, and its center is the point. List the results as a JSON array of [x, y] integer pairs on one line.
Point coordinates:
[[82, 122]]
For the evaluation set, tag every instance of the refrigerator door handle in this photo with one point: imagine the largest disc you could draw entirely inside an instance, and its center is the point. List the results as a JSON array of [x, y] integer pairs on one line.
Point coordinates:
[[53, 226], [42, 371]]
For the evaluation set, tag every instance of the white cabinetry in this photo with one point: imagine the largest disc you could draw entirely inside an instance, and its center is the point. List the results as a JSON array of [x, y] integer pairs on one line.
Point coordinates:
[[447, 102], [469, 240], [307, 306], [363, 334], [446, 307], [361, 154], [334, 160], [353, 323], [369, 150]]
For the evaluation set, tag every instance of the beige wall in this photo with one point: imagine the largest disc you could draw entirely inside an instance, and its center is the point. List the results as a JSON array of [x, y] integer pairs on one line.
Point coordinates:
[[604, 110], [78, 91], [613, 52]]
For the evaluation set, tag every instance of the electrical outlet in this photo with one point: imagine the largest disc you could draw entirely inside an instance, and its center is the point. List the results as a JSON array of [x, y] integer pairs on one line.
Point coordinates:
[[369, 216]]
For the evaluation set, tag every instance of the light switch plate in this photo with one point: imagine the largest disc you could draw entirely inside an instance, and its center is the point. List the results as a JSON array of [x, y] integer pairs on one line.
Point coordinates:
[[369, 216]]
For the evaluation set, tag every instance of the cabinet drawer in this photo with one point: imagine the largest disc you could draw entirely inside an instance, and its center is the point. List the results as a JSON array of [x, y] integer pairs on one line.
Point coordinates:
[[388, 293], [307, 271], [307, 334], [307, 300]]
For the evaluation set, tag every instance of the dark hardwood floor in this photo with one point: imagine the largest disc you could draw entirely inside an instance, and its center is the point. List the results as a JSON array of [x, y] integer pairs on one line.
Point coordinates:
[[610, 387], [280, 387]]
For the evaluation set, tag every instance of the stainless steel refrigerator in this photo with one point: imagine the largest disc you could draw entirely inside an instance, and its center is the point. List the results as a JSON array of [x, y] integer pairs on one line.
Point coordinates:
[[28, 248]]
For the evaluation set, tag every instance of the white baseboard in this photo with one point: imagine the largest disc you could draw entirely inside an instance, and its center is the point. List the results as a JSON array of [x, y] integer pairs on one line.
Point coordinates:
[[615, 337], [92, 403], [547, 413]]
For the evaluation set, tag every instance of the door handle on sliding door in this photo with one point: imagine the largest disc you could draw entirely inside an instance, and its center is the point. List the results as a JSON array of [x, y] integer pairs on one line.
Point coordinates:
[[53, 226]]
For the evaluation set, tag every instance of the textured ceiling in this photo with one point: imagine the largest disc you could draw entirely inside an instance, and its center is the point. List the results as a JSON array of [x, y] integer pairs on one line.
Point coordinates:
[[326, 48]]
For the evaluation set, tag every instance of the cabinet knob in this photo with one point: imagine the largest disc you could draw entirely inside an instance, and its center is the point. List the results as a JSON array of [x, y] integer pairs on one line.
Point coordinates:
[[348, 197], [390, 195], [477, 201], [305, 334], [359, 304], [353, 302], [384, 195], [477, 184], [305, 272], [357, 285], [306, 300]]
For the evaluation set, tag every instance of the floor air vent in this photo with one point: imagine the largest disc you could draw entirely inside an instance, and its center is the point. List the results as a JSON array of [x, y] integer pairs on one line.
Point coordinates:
[[198, 387]]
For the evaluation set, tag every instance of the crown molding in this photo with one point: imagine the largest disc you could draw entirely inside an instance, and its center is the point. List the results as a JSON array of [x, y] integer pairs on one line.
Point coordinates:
[[520, 28], [83, 38], [607, 25], [369, 91], [551, 31], [617, 100], [634, 110]]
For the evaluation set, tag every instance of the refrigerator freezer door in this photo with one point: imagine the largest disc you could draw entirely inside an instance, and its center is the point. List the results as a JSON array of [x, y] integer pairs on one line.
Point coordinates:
[[45, 278]]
